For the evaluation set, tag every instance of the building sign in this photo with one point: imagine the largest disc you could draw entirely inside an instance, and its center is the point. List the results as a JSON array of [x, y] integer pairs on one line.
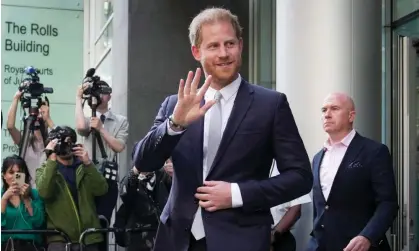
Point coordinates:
[[50, 39]]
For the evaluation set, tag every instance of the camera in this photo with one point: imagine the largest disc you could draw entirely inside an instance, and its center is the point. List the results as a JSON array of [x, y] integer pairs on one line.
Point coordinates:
[[17, 176], [95, 86], [65, 142], [31, 87]]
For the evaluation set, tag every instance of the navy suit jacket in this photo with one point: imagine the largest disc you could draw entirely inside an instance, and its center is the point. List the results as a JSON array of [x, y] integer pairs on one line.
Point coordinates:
[[362, 201], [260, 128]]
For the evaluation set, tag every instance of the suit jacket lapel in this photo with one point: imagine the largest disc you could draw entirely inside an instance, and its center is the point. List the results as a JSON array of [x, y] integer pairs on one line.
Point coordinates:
[[316, 172], [352, 152], [241, 105]]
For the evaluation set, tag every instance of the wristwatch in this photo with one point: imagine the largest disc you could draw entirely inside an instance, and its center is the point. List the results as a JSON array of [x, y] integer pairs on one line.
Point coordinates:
[[175, 126]]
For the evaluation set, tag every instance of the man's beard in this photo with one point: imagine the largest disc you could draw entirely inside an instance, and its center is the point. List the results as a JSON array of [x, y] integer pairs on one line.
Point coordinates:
[[222, 80]]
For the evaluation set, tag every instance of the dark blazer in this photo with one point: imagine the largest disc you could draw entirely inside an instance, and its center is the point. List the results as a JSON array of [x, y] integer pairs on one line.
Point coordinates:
[[362, 201], [260, 128]]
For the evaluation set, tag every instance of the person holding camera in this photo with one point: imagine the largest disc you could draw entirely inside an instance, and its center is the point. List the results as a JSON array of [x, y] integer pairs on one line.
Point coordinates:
[[21, 206], [34, 152], [144, 195], [113, 130], [69, 182]]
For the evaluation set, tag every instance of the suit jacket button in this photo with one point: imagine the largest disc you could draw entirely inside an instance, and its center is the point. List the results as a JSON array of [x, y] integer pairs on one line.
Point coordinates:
[[326, 207], [322, 226]]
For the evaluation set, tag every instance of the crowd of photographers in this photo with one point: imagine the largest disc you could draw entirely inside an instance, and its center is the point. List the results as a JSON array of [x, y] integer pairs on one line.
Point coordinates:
[[57, 183]]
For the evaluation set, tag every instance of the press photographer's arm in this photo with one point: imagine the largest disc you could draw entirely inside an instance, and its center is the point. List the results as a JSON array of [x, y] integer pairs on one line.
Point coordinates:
[[82, 123], [44, 111], [117, 143], [47, 174], [95, 181], [11, 119]]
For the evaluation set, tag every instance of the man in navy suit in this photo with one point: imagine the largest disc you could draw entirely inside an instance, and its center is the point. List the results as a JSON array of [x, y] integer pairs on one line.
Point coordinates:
[[221, 192], [354, 191]]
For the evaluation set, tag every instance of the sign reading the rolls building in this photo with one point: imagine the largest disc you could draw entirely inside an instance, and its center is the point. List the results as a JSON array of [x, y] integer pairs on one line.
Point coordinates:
[[48, 35]]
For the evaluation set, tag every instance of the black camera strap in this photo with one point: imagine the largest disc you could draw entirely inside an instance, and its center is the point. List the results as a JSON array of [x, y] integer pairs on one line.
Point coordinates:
[[97, 138], [152, 201]]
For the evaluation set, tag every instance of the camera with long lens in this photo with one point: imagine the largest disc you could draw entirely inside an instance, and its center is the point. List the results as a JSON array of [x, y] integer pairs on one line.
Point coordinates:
[[95, 86], [64, 144], [31, 88]]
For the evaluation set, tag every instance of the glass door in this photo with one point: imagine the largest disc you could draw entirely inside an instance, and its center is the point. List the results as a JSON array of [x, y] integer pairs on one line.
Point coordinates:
[[405, 134]]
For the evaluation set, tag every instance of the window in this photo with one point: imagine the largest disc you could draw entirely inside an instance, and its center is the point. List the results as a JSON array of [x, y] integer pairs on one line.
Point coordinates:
[[262, 43], [404, 7], [98, 39], [99, 35]]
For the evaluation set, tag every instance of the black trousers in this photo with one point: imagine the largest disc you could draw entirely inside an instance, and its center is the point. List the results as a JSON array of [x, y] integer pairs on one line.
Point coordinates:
[[103, 246]]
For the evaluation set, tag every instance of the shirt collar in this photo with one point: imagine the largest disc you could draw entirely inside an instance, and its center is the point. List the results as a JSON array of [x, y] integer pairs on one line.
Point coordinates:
[[227, 92], [108, 115], [345, 141]]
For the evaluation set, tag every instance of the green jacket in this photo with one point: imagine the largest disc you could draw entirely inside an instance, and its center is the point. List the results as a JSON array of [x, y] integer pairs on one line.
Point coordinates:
[[61, 210]]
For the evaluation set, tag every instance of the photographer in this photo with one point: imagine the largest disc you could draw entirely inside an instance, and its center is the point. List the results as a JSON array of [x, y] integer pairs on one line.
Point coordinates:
[[144, 196], [113, 129], [36, 144], [68, 182]]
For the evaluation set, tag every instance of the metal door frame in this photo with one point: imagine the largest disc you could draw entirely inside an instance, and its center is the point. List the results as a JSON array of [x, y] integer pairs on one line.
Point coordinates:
[[404, 142]]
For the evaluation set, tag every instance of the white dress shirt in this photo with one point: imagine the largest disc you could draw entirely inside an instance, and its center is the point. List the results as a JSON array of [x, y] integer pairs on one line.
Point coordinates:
[[98, 114], [279, 211], [229, 94], [331, 161]]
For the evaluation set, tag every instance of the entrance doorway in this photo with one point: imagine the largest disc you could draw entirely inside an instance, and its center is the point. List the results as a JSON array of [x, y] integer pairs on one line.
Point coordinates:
[[405, 133]]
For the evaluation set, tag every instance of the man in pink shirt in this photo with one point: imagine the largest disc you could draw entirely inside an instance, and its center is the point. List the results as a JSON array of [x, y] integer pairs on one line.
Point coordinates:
[[354, 191]]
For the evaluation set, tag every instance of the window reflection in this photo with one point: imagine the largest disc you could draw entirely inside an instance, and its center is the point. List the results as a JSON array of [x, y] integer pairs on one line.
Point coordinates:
[[263, 43], [404, 7]]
